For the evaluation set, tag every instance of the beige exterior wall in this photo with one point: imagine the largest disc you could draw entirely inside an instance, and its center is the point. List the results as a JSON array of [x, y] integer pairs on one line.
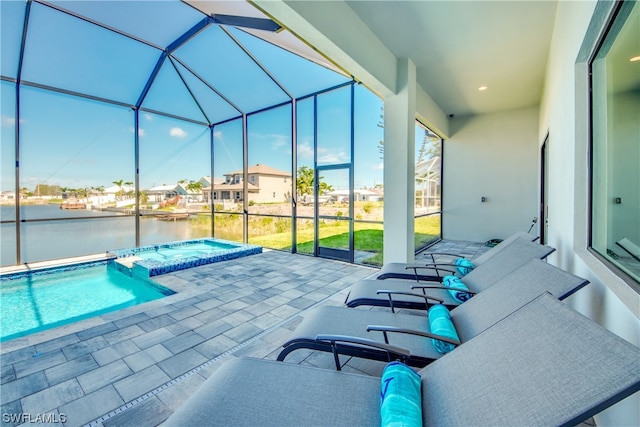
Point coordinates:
[[273, 189]]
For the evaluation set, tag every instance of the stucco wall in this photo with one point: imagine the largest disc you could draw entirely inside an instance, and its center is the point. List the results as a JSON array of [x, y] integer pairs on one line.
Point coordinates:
[[564, 114], [493, 156]]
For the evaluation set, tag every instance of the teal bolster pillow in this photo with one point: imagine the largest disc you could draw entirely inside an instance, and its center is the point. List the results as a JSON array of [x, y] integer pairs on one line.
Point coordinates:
[[440, 324], [458, 288], [464, 266], [400, 396]]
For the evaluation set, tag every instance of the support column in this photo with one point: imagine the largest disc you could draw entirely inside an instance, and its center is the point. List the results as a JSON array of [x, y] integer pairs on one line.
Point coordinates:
[[399, 165]]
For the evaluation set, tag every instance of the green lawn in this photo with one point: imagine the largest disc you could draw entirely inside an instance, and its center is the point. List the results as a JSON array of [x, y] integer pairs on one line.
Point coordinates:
[[367, 237]]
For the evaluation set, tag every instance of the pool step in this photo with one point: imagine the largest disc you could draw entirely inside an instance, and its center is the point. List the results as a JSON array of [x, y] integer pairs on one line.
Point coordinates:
[[128, 261], [124, 265]]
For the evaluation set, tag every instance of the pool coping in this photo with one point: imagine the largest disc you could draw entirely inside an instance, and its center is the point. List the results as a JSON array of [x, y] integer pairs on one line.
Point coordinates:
[[30, 267]]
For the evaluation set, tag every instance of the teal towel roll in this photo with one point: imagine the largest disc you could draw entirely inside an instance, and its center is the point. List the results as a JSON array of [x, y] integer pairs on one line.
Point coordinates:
[[400, 396], [440, 324], [459, 294], [464, 266]]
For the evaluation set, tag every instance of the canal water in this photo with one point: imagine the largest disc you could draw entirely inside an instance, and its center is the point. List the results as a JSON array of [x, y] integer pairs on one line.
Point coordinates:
[[82, 232]]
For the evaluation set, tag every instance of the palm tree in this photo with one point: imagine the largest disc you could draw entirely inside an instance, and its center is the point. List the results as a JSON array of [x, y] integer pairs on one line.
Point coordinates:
[[119, 184], [194, 187], [130, 193], [143, 197]]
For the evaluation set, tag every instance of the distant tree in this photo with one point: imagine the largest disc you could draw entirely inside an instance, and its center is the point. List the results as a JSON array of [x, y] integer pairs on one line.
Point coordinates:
[[121, 183], [143, 197], [82, 193], [435, 148], [305, 182], [423, 148], [47, 190], [194, 187], [324, 187]]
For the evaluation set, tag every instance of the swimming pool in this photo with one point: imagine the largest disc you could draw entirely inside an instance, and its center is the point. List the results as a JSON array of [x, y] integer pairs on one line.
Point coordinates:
[[38, 300], [149, 261]]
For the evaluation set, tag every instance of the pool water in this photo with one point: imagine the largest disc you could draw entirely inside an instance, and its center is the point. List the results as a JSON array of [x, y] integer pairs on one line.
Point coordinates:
[[32, 302], [198, 249], [153, 260]]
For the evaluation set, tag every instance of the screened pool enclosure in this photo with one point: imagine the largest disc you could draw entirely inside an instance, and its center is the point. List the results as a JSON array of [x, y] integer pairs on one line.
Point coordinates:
[[135, 123]]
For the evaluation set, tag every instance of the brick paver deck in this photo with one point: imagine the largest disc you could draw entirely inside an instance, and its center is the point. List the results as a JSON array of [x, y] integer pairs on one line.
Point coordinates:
[[137, 365]]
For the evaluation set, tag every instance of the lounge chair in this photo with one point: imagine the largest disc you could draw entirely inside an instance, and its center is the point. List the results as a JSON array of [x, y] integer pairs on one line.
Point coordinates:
[[396, 293], [435, 268], [630, 248], [545, 364], [363, 333]]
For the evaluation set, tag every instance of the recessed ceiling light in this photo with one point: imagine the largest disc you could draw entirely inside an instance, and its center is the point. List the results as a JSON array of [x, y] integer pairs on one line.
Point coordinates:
[[482, 88], [635, 59]]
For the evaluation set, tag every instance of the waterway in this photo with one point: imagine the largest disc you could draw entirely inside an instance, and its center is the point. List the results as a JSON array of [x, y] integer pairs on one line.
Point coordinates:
[[82, 232]]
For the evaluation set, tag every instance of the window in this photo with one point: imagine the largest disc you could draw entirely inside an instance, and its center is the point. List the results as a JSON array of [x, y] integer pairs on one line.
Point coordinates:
[[427, 206], [615, 142]]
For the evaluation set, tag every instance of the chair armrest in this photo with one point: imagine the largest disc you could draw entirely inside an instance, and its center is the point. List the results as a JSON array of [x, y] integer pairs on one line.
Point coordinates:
[[452, 288], [436, 267], [385, 329], [433, 266], [413, 294], [333, 340]]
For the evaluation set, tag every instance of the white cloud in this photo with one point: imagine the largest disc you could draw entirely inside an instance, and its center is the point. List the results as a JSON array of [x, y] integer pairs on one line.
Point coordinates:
[[279, 141], [305, 150], [217, 134], [148, 116], [332, 157], [178, 132], [140, 131], [378, 167], [8, 121]]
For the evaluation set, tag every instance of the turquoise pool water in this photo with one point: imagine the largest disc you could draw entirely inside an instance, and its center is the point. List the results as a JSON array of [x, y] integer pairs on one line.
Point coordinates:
[[33, 302], [196, 249], [149, 261]]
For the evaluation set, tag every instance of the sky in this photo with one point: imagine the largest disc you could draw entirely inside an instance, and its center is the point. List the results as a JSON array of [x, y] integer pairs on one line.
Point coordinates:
[[75, 142]]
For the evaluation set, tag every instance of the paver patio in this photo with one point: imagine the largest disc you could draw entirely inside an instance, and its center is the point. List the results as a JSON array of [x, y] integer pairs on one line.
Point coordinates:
[[137, 365]]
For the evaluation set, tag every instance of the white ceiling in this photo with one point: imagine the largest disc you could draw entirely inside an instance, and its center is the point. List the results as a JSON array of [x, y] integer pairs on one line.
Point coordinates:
[[457, 46]]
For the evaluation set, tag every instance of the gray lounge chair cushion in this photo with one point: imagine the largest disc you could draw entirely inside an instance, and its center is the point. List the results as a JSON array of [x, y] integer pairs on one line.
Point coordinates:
[[251, 392], [471, 318], [353, 322], [544, 365], [512, 292], [480, 259], [519, 252], [398, 269]]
